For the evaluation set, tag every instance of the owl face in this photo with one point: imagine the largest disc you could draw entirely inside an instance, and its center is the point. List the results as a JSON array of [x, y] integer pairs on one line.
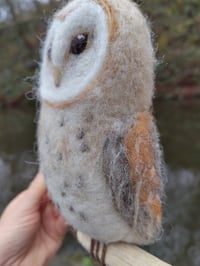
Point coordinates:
[[74, 51], [101, 49]]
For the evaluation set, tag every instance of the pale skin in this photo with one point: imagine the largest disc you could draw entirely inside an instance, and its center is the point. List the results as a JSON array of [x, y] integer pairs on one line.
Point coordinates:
[[31, 228]]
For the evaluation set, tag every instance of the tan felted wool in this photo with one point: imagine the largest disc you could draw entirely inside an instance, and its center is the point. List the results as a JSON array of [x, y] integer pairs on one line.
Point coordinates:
[[98, 144]]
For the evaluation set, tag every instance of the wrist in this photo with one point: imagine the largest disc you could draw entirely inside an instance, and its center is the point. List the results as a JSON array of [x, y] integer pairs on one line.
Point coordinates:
[[28, 261], [3, 254], [6, 258], [6, 254]]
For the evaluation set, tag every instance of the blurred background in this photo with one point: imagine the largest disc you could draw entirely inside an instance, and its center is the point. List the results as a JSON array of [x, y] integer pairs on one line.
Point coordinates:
[[176, 27]]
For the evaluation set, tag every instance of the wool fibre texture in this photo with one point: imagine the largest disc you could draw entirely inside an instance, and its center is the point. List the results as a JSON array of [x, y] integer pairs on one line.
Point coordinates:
[[64, 63], [100, 151]]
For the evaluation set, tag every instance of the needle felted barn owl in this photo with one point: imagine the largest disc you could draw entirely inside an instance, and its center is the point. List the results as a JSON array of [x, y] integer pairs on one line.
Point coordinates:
[[98, 143]]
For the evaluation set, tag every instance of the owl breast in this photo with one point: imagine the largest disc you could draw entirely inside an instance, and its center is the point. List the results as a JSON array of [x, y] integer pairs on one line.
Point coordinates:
[[70, 149]]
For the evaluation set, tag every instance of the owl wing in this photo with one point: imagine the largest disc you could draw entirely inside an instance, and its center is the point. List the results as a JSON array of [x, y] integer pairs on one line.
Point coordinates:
[[132, 167]]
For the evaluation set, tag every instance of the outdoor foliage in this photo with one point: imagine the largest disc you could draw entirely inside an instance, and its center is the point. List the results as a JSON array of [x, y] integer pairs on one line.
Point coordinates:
[[176, 27], [21, 35]]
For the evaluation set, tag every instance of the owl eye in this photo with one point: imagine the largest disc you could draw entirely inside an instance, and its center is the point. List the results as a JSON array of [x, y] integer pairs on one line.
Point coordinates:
[[79, 44]]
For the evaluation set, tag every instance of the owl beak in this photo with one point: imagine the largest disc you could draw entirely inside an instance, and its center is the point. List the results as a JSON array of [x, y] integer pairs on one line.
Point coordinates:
[[57, 74]]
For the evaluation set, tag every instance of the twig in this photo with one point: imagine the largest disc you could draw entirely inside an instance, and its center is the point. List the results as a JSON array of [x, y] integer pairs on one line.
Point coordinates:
[[122, 254]]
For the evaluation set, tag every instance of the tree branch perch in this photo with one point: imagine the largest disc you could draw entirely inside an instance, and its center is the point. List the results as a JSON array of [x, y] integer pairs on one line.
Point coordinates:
[[122, 254]]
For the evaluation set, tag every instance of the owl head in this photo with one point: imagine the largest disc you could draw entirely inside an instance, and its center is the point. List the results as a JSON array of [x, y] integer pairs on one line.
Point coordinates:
[[98, 49]]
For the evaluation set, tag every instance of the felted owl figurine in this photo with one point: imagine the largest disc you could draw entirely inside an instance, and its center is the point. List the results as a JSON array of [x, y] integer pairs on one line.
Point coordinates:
[[98, 143]]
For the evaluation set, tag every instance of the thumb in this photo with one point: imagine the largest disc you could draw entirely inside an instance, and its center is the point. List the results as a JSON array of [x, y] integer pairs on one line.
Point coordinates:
[[36, 189]]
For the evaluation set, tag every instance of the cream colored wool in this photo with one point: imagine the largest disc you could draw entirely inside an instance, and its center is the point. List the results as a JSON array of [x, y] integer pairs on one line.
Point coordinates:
[[98, 144]]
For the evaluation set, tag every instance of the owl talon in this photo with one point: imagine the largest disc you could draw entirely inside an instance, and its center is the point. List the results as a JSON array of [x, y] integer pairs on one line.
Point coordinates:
[[98, 251], [103, 256], [92, 245]]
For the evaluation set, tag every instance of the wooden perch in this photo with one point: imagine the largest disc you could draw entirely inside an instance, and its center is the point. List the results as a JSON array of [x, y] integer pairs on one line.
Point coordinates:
[[122, 254]]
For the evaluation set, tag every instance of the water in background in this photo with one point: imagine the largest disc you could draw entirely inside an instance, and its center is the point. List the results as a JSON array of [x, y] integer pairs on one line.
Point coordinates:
[[180, 130]]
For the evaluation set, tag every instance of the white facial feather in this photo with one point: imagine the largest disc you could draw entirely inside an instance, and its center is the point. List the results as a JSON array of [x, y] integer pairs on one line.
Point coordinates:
[[77, 71]]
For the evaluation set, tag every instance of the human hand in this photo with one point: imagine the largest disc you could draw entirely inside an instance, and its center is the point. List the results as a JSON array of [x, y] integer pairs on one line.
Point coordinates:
[[31, 229]]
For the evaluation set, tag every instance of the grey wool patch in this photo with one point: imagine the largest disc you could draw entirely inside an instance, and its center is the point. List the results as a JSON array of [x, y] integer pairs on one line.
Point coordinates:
[[117, 173]]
